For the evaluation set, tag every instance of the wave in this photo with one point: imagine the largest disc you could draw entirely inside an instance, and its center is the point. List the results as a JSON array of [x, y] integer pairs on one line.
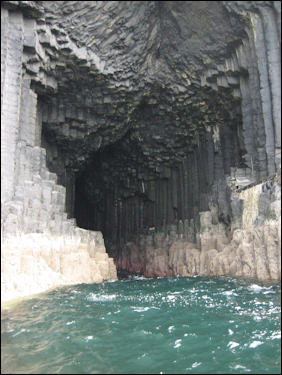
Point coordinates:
[[100, 297]]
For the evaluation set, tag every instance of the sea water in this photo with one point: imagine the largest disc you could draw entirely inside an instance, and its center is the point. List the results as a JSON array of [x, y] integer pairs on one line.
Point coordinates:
[[146, 326]]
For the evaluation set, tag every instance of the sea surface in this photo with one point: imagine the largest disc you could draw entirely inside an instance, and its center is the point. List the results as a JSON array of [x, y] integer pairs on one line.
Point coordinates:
[[185, 325]]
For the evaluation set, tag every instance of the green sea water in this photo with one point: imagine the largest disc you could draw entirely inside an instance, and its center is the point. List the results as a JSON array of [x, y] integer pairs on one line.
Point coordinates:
[[193, 325]]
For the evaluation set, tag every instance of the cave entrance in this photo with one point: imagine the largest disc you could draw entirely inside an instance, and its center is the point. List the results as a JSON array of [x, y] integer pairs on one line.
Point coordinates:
[[121, 193], [110, 192], [89, 206], [155, 179]]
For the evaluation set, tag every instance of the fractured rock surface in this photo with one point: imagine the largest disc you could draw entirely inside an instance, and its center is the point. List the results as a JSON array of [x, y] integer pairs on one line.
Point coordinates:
[[252, 251], [35, 262]]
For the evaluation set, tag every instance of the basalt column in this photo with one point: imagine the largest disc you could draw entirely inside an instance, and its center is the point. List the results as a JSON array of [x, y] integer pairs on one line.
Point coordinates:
[[121, 195], [41, 248]]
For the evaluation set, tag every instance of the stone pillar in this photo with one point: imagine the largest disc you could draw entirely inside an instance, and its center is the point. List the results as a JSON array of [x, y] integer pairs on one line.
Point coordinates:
[[277, 7], [11, 91], [265, 92], [70, 193], [259, 156], [4, 44], [274, 63], [247, 113]]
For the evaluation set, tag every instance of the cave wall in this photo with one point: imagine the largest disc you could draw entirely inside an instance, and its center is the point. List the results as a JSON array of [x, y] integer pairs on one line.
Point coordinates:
[[41, 248], [235, 117], [127, 200], [28, 186], [138, 119]]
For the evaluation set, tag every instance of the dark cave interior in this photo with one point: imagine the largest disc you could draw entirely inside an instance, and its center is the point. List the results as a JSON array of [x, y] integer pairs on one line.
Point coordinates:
[[149, 158], [117, 193]]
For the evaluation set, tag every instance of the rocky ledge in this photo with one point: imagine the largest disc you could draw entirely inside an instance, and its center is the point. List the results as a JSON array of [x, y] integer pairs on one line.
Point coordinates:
[[253, 251], [33, 263]]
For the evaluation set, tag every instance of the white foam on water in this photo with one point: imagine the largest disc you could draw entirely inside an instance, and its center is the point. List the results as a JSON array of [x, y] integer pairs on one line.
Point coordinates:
[[239, 367], [100, 297], [269, 292], [196, 364], [147, 332], [230, 293], [69, 323], [177, 343], [21, 331], [171, 328], [254, 344], [257, 318], [146, 308], [169, 298], [75, 291], [275, 335], [260, 335], [140, 309], [257, 288], [139, 278], [232, 344]]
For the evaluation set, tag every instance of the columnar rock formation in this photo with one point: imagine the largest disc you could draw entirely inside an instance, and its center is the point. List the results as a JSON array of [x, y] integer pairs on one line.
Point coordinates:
[[144, 120], [253, 249], [41, 247]]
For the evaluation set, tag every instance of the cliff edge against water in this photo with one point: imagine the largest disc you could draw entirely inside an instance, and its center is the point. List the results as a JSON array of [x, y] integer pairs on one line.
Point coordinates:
[[148, 129]]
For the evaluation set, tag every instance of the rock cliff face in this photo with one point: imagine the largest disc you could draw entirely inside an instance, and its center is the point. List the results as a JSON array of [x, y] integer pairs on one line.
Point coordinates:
[[155, 122], [252, 250]]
